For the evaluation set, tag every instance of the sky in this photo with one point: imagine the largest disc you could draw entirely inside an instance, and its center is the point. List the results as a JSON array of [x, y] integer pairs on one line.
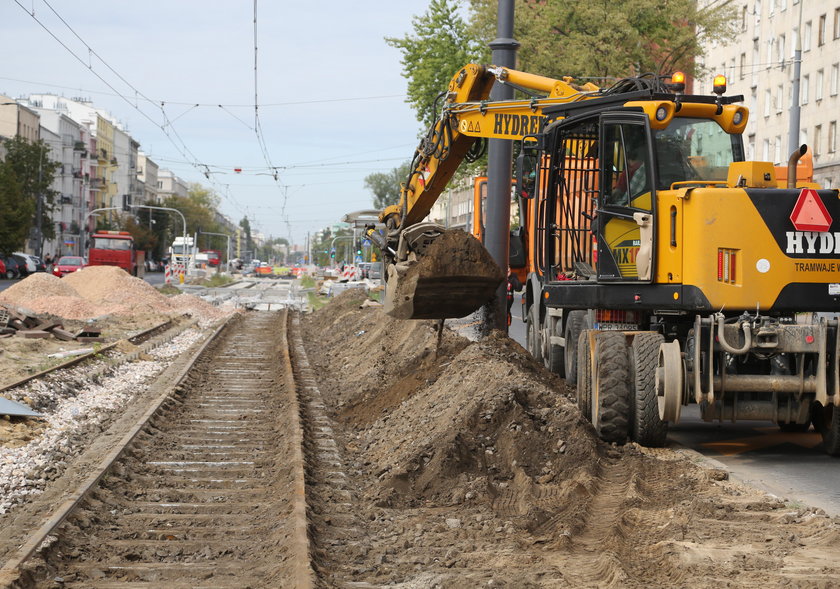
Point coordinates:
[[331, 93]]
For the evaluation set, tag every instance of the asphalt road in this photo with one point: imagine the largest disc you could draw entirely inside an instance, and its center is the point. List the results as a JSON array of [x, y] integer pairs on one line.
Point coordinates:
[[791, 466]]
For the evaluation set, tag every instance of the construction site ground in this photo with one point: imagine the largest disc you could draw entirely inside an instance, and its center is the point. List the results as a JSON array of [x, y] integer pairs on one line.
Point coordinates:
[[471, 466], [475, 468]]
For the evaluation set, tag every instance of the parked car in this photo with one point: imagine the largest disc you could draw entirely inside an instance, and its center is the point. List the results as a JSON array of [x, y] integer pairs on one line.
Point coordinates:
[[12, 267], [67, 264], [33, 263], [26, 266], [2, 268]]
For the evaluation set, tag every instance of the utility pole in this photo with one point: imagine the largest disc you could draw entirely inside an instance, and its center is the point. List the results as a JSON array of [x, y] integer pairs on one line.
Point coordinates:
[[793, 129], [499, 155]]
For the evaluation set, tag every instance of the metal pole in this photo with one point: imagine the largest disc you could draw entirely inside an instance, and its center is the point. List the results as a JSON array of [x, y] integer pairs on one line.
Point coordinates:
[[793, 129], [499, 156]]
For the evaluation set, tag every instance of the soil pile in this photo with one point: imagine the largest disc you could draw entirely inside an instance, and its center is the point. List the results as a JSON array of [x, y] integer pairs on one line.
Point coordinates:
[[475, 465]]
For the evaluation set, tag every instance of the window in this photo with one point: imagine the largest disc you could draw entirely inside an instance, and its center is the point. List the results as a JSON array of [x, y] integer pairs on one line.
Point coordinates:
[[803, 91], [818, 89], [756, 52], [744, 18], [803, 137], [806, 37], [780, 49], [833, 80], [817, 139], [780, 98], [751, 147], [837, 23], [832, 137], [821, 32], [770, 44], [742, 69], [757, 13], [767, 100], [777, 150], [765, 150], [782, 4]]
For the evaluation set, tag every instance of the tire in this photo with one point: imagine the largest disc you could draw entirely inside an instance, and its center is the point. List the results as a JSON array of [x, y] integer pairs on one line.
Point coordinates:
[[574, 325], [794, 428], [532, 334], [10, 274], [553, 355], [584, 375], [611, 387], [827, 422], [646, 428]]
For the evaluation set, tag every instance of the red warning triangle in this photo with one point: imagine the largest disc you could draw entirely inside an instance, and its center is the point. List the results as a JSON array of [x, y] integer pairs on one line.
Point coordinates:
[[809, 212]]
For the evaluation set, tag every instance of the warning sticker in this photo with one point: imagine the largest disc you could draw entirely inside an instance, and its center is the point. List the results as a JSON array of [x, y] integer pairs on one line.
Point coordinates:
[[834, 289]]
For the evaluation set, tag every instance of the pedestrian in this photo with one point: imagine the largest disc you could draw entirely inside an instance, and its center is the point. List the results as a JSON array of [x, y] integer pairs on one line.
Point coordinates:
[[48, 262]]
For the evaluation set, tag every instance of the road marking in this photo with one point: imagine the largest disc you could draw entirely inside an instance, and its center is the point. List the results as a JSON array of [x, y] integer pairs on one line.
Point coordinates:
[[737, 446]]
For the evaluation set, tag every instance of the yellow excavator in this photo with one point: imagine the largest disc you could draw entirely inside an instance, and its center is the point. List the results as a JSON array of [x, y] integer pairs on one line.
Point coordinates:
[[663, 268]]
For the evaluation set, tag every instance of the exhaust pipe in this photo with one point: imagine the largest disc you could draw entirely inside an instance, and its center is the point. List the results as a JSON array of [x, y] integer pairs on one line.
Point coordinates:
[[792, 161]]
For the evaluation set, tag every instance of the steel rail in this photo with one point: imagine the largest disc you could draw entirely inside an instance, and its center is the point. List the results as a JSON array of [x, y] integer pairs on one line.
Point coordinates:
[[10, 572], [81, 358]]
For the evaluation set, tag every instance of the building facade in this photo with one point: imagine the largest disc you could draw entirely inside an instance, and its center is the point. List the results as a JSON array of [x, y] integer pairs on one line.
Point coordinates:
[[760, 65]]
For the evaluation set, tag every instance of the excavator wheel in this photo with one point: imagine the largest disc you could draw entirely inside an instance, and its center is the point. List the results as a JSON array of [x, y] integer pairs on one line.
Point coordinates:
[[646, 428], [574, 325], [584, 373], [611, 387], [827, 422], [452, 277], [532, 333]]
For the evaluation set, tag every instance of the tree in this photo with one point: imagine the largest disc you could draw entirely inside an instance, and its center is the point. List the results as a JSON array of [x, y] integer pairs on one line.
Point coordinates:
[[31, 169], [385, 186], [246, 227], [442, 44], [588, 39], [13, 208]]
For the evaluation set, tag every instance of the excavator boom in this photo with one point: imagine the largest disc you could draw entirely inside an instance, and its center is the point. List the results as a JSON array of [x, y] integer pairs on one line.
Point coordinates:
[[456, 276]]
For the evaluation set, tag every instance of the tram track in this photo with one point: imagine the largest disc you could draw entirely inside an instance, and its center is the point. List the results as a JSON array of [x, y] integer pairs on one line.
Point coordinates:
[[205, 489]]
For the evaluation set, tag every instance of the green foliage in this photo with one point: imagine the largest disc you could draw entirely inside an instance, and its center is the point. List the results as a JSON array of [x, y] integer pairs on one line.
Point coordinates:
[[385, 186], [13, 208], [587, 39], [246, 227], [441, 44], [215, 280], [28, 172], [168, 289], [145, 237]]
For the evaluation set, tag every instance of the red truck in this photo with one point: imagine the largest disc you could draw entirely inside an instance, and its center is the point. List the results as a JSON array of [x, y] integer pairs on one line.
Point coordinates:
[[214, 257], [116, 248]]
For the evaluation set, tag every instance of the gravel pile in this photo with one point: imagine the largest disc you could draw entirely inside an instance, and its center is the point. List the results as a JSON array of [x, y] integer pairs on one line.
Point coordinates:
[[75, 411], [96, 291]]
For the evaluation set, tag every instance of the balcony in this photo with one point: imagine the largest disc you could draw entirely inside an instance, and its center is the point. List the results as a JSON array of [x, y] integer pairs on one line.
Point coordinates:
[[97, 183]]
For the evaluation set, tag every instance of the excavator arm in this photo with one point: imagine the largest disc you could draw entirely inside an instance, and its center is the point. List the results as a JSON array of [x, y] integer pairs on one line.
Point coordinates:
[[430, 277]]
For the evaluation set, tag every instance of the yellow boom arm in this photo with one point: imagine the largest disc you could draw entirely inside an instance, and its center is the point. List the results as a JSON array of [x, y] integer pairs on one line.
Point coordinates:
[[466, 116]]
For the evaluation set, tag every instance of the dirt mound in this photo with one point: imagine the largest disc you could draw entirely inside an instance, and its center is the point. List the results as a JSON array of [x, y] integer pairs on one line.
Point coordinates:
[[473, 449], [35, 286], [110, 284]]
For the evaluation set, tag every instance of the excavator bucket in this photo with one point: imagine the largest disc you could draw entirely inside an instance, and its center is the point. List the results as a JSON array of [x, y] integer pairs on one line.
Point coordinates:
[[454, 277]]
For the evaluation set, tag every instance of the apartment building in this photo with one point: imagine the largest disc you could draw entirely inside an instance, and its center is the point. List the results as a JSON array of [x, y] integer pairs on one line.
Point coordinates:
[[759, 64]]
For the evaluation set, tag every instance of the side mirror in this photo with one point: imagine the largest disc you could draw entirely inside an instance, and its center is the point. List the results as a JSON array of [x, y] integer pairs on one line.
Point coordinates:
[[526, 170]]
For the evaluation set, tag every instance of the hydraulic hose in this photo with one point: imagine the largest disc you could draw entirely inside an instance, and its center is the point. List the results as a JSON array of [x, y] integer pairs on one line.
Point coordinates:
[[719, 318]]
